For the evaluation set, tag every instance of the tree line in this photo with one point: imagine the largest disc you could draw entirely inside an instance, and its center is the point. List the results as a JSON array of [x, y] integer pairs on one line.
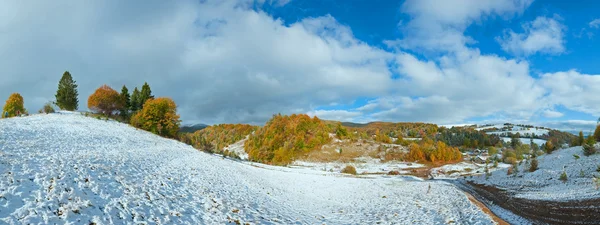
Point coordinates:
[[141, 109]]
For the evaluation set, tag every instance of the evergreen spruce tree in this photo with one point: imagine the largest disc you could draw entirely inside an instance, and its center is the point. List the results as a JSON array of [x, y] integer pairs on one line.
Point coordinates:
[[135, 100], [66, 95], [580, 140], [126, 101], [145, 94]]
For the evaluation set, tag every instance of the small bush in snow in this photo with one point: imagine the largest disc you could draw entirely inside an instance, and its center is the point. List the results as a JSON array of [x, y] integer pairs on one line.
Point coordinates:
[[598, 168], [533, 166], [563, 176], [510, 160], [576, 156], [47, 109], [349, 170], [495, 164], [394, 172], [581, 173], [588, 150]]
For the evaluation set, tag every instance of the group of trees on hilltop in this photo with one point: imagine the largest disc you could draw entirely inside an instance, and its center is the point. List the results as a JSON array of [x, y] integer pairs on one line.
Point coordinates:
[[467, 137], [285, 138], [108, 101], [158, 115]]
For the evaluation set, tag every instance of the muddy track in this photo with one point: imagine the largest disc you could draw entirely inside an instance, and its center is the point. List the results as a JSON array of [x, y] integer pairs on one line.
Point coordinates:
[[535, 211]]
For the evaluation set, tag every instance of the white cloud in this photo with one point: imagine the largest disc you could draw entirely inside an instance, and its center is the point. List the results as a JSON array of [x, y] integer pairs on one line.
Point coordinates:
[[544, 35], [440, 25], [552, 114], [595, 23], [337, 115], [587, 126], [459, 88], [221, 61], [573, 90]]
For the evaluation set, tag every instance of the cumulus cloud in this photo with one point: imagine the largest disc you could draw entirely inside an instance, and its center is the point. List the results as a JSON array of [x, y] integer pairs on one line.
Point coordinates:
[[221, 61], [337, 115], [440, 25], [455, 90], [573, 126], [552, 114], [573, 90], [543, 35], [458, 82], [227, 62]]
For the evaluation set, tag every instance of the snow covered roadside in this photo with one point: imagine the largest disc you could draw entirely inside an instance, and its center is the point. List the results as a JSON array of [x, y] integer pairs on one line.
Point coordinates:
[[61, 168], [544, 183]]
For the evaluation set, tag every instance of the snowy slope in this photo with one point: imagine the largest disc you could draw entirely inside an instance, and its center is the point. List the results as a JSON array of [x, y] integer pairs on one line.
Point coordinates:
[[539, 142], [66, 168], [544, 183]]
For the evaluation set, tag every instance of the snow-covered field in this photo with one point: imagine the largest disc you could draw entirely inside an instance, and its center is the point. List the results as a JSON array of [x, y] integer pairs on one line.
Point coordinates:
[[539, 142], [515, 129], [544, 183], [452, 171], [363, 165], [69, 169], [238, 149]]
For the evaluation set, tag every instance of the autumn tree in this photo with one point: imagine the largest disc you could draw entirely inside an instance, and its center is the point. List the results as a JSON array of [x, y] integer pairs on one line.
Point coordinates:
[[66, 95], [597, 133], [125, 100], [135, 100], [580, 139], [14, 105], [549, 147], [158, 116], [105, 100]]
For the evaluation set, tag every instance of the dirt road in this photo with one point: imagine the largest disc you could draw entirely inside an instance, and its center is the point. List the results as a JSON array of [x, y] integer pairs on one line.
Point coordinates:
[[526, 211]]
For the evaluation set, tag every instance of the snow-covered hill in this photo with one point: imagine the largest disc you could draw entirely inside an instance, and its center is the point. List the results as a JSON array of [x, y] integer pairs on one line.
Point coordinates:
[[66, 168], [544, 183]]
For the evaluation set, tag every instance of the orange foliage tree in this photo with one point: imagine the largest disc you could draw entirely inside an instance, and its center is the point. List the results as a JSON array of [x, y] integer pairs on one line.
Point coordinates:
[[158, 116], [284, 138], [105, 100], [13, 105]]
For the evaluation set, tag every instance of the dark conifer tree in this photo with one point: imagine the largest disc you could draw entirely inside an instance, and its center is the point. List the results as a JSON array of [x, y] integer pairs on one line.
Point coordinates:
[[66, 95]]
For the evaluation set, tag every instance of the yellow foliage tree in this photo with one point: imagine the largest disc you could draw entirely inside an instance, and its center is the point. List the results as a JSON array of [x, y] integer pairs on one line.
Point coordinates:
[[13, 106], [158, 116]]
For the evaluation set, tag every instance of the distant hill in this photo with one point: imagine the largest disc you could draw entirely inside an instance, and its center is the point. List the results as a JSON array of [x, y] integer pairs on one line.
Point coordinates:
[[192, 128]]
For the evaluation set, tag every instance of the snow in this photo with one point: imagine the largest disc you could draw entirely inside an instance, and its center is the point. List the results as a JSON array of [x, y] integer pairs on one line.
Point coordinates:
[[238, 148], [71, 169], [457, 125], [539, 142], [363, 165], [544, 183], [461, 169]]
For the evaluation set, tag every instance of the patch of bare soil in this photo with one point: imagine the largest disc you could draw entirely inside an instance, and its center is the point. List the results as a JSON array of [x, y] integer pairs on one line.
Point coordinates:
[[540, 211]]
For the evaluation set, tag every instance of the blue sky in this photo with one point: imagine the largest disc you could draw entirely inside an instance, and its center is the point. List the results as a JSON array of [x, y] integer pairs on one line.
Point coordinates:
[[241, 61]]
